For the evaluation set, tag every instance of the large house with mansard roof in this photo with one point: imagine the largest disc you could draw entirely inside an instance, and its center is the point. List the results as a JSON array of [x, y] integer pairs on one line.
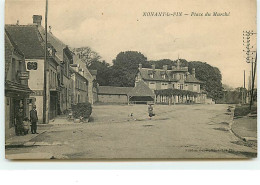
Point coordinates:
[[175, 78]]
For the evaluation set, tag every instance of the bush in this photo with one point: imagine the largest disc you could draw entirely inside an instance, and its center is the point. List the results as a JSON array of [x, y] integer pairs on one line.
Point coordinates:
[[244, 110], [83, 110]]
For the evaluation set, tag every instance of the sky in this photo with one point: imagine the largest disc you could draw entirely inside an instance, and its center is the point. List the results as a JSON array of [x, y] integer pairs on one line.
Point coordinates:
[[112, 26]]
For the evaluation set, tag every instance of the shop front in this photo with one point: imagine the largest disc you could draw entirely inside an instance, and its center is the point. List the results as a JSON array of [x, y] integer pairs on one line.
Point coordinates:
[[16, 95]]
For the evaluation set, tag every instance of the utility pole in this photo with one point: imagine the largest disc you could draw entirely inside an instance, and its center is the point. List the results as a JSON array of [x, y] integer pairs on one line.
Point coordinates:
[[253, 83], [251, 54], [244, 88], [46, 69]]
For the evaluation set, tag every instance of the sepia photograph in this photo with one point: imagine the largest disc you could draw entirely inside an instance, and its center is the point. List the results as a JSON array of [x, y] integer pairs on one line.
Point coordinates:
[[130, 79]]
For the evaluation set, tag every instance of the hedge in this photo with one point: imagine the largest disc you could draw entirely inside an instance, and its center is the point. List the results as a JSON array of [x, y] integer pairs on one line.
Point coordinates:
[[82, 110]]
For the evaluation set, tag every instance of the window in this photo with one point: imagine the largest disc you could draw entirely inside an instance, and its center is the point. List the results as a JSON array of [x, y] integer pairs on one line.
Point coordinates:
[[163, 76], [181, 86], [152, 85], [195, 87], [173, 86], [151, 75], [164, 86], [32, 66]]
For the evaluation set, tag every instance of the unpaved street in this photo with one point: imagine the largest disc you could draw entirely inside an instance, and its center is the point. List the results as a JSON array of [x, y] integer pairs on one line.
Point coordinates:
[[177, 131]]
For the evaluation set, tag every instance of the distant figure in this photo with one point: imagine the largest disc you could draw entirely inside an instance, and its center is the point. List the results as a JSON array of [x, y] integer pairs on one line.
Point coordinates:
[[26, 125], [150, 111], [34, 119], [19, 122]]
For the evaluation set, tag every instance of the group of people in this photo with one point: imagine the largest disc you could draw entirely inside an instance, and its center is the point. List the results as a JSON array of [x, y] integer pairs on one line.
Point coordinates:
[[23, 124]]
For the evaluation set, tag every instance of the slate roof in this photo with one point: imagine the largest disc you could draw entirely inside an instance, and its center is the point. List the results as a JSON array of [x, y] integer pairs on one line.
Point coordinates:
[[8, 53], [28, 40], [55, 42], [192, 79], [10, 47], [157, 75], [141, 89], [74, 71], [114, 90]]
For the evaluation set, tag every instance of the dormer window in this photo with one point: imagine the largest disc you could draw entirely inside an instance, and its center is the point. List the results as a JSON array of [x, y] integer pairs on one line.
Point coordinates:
[[163, 76], [151, 74], [51, 50]]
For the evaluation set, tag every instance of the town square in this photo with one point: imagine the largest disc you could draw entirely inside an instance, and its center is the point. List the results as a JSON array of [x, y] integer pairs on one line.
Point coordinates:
[[79, 87]]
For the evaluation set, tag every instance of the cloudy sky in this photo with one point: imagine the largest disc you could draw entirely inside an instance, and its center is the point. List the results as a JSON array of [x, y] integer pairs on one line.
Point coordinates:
[[112, 26]]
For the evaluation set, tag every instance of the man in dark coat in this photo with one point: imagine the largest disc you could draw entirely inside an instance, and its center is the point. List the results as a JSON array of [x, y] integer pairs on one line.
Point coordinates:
[[19, 122], [34, 119]]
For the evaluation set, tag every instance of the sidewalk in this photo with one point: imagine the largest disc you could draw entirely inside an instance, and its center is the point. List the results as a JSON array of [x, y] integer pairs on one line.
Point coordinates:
[[245, 128], [19, 141]]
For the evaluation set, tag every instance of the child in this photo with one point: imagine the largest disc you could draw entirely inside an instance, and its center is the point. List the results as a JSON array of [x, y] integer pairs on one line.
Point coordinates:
[[26, 126]]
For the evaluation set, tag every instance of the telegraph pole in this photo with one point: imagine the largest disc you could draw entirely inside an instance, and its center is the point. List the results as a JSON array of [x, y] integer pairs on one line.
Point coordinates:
[[253, 83], [251, 56], [46, 68]]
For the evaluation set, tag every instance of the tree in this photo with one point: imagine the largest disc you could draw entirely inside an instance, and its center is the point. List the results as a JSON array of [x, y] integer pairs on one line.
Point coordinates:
[[211, 76], [103, 72], [125, 68], [87, 55]]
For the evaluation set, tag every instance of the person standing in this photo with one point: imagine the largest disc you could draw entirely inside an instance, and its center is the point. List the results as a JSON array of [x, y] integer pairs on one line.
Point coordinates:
[[34, 119], [150, 111], [19, 122]]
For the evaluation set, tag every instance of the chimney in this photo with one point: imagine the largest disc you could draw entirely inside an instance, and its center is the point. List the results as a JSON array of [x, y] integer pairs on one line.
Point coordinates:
[[37, 19], [165, 67], [178, 64], [140, 66], [193, 72], [153, 66]]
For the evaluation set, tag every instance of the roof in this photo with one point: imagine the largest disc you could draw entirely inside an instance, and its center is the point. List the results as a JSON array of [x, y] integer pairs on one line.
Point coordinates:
[[192, 79], [93, 72], [87, 74], [74, 71], [157, 75], [114, 90], [16, 87], [55, 42], [10, 47], [27, 39], [141, 89], [8, 53]]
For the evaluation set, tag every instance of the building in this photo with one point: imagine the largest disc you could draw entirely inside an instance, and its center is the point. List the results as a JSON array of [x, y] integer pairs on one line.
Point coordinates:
[[65, 58], [141, 93], [187, 86], [90, 75], [16, 85], [111, 94], [94, 88], [29, 40], [79, 84]]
